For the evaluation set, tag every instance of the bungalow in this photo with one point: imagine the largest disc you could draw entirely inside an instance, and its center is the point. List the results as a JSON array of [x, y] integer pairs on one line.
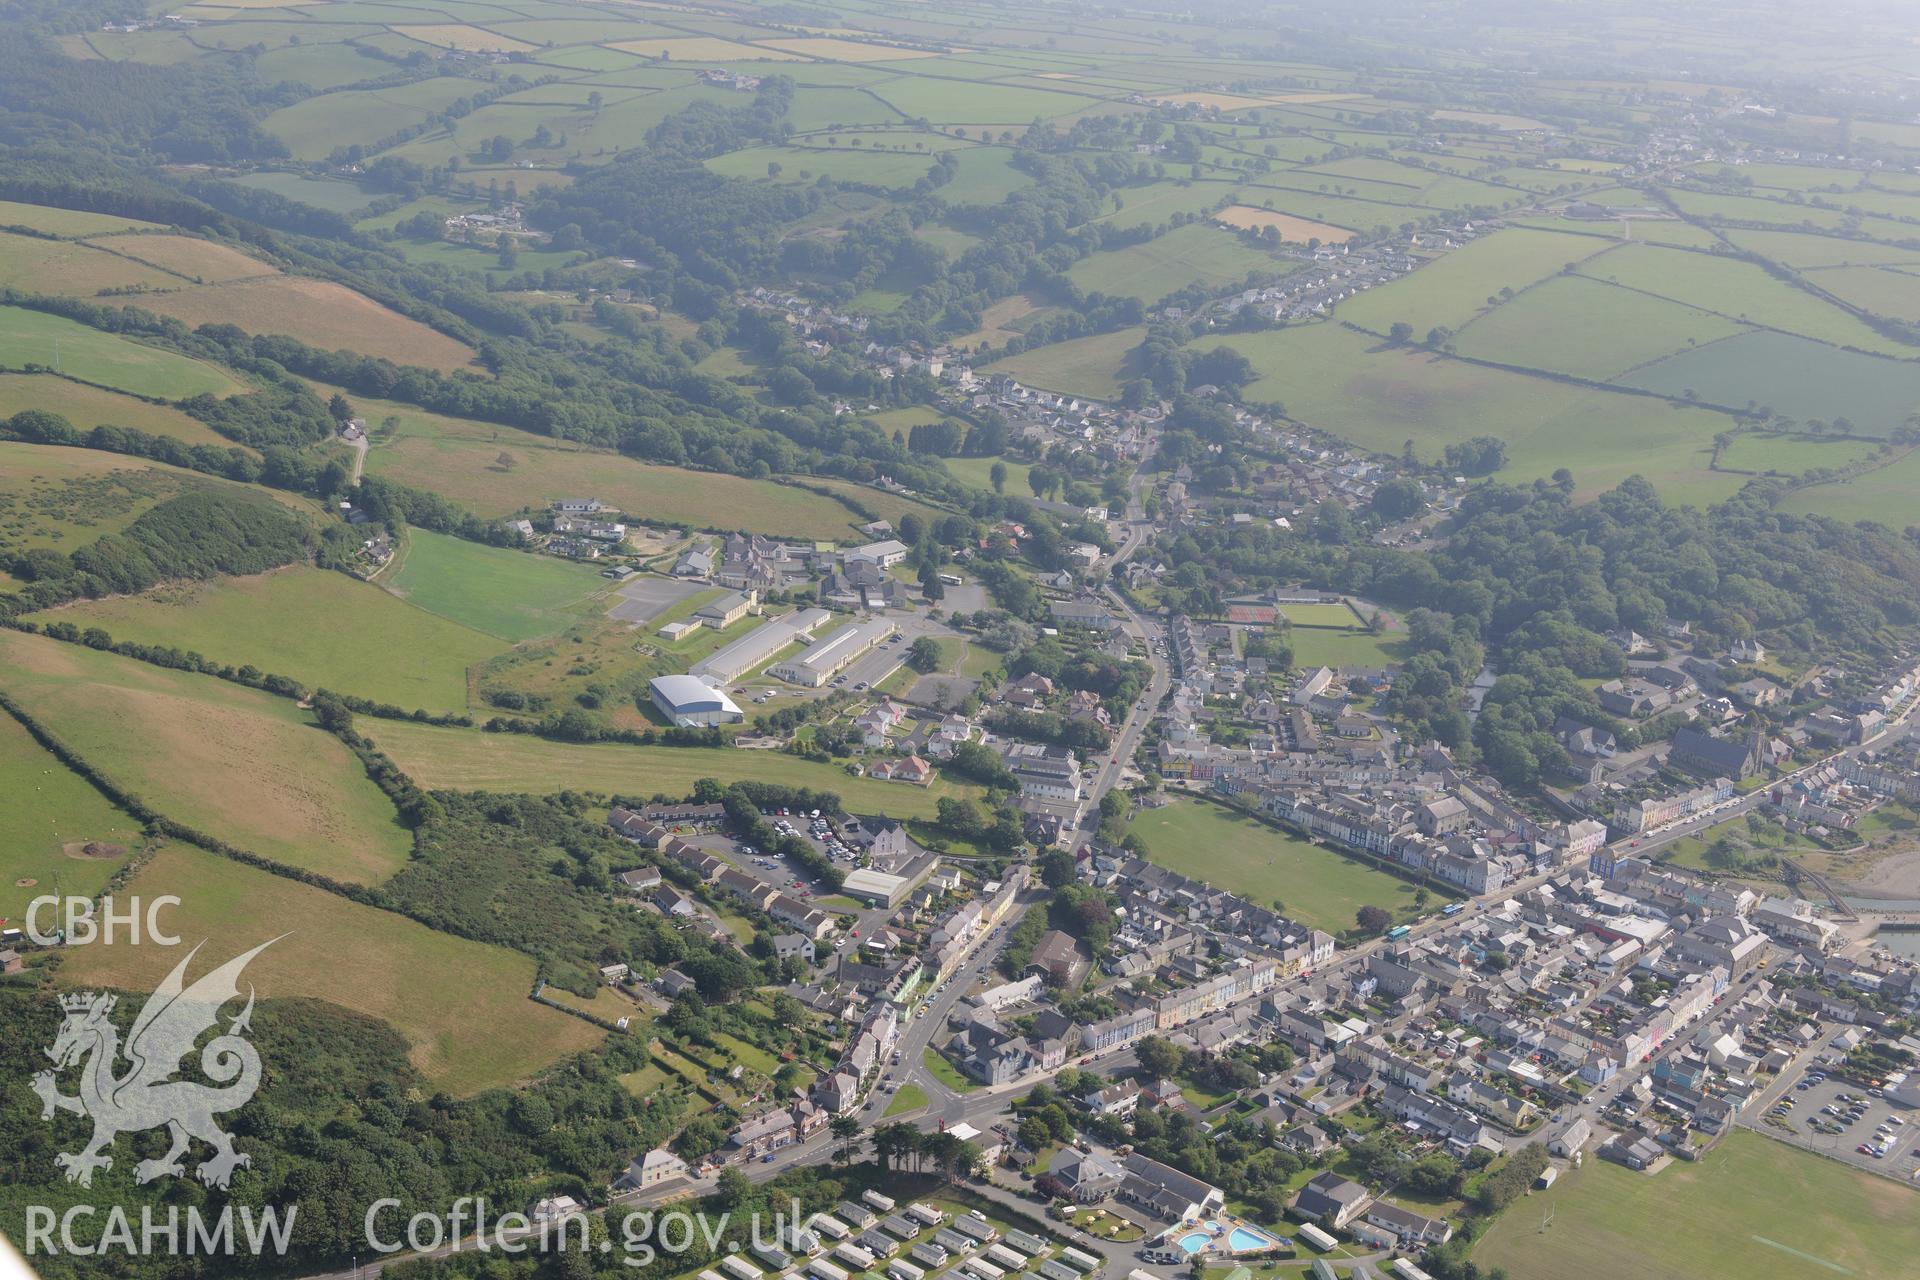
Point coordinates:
[[903, 769], [1390, 1225]]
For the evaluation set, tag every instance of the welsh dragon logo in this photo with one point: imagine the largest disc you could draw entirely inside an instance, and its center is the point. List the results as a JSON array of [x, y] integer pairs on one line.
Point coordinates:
[[146, 1096]]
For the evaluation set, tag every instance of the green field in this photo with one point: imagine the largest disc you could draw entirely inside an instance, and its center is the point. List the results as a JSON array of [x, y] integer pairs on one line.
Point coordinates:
[[322, 628], [51, 813], [470, 760], [1198, 253], [32, 264], [1752, 1207], [511, 595], [909, 1098], [977, 472], [1794, 249], [1740, 290], [1327, 647], [88, 407], [1081, 367], [322, 193], [1379, 397], [243, 766], [68, 222], [1790, 455], [1590, 330], [1455, 287], [313, 128], [451, 998], [69, 347], [1882, 291], [805, 164], [1242, 855], [1890, 496], [1795, 377]]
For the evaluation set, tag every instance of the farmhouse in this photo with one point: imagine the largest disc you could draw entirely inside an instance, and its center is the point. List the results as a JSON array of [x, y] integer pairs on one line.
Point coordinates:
[[692, 703]]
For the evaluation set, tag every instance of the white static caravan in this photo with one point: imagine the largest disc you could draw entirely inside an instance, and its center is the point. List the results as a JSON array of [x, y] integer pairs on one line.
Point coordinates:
[[1079, 1259], [898, 1270], [821, 1269], [1026, 1242], [854, 1256], [927, 1213], [828, 1225], [1005, 1258], [739, 1268], [877, 1201], [981, 1269], [1405, 1269], [1317, 1238], [931, 1254]]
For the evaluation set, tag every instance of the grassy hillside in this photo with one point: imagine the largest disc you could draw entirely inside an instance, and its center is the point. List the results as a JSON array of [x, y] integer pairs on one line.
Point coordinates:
[[321, 628], [470, 760], [461, 1005], [245, 767]]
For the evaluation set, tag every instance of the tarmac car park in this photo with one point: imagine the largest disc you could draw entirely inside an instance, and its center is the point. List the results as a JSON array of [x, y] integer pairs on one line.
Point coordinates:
[[1843, 1120]]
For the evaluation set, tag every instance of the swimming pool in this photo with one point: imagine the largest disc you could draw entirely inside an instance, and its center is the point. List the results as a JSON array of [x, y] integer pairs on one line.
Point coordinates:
[[1241, 1239], [1223, 1237]]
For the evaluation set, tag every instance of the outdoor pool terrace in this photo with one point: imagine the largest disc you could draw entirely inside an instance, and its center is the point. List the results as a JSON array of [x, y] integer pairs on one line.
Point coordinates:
[[1223, 1236]]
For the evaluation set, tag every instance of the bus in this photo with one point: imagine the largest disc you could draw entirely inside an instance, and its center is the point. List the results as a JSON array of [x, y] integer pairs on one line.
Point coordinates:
[[1398, 932], [1453, 908]]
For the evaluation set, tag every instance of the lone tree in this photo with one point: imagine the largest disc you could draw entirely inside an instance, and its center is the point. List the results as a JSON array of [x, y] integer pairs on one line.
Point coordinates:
[[924, 656], [1373, 919]]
